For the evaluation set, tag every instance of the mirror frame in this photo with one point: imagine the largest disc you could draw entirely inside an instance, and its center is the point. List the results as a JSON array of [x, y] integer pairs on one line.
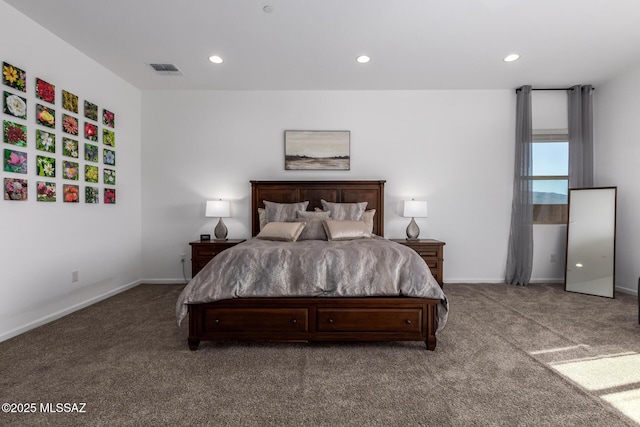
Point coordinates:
[[571, 233]]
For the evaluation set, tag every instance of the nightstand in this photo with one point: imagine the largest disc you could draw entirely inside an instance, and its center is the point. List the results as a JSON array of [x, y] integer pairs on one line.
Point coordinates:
[[431, 251], [203, 251]]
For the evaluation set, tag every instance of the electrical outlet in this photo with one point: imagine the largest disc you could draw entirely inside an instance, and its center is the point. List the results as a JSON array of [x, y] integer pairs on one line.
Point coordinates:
[[552, 258], [74, 276], [182, 256]]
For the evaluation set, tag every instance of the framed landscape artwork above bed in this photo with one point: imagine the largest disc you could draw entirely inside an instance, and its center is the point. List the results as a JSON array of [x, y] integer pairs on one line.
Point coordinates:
[[317, 150]]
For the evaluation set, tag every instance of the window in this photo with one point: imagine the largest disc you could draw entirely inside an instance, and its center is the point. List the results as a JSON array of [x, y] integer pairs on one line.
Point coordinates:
[[550, 169]]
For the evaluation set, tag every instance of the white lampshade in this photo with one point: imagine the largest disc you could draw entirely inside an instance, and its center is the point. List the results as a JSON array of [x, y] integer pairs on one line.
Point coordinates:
[[218, 208], [415, 209]]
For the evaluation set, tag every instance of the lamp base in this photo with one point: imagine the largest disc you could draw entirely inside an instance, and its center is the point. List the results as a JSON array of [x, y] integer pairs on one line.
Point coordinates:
[[220, 231], [413, 231]]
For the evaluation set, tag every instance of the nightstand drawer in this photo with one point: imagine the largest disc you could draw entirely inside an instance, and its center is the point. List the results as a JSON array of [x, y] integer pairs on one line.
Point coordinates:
[[432, 263], [204, 251], [426, 252], [198, 264], [431, 251], [207, 252]]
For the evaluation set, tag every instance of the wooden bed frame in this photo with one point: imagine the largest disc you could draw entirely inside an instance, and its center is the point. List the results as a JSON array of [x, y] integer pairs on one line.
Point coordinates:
[[315, 318]]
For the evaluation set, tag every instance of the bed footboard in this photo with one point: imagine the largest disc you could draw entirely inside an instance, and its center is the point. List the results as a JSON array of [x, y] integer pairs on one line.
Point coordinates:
[[314, 319]]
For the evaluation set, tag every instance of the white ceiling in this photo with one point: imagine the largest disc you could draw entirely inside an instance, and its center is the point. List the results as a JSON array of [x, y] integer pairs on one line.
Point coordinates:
[[312, 44]]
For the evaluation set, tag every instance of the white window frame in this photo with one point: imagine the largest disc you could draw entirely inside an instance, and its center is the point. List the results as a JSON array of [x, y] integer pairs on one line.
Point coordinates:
[[543, 213]]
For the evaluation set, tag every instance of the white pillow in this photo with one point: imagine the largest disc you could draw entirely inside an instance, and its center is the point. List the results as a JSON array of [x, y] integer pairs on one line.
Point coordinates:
[[345, 230], [281, 231]]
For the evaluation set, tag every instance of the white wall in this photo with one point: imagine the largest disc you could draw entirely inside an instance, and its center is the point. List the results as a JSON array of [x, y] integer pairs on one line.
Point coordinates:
[[42, 243], [617, 156], [454, 148]]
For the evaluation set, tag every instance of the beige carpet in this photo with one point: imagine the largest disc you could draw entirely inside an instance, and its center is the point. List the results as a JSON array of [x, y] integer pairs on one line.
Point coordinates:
[[525, 356]]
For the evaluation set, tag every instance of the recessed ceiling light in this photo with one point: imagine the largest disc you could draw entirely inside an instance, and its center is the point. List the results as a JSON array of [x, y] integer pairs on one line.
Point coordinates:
[[363, 59], [512, 57], [267, 9], [216, 59]]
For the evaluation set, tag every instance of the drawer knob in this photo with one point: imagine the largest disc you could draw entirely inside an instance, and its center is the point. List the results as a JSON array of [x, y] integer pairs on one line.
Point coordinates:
[[408, 321], [294, 321], [217, 320], [330, 320]]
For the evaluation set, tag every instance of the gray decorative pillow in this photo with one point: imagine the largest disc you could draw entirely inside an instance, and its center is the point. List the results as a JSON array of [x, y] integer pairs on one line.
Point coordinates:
[[345, 211], [314, 229], [283, 212]]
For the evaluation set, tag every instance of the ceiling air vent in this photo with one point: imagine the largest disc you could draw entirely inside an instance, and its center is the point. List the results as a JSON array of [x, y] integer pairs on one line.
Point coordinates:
[[166, 69]]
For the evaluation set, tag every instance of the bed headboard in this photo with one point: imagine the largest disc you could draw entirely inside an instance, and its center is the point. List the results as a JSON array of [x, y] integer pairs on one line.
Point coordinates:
[[371, 192]]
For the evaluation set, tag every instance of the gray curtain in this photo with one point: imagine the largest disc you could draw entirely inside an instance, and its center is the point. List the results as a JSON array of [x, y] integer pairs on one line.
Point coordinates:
[[580, 136], [520, 251]]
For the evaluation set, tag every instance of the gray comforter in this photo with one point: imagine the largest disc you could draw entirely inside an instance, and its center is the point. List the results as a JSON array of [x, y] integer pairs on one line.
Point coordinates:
[[314, 268]]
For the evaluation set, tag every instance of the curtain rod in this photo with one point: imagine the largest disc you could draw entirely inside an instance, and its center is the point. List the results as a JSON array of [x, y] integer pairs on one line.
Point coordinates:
[[553, 88]]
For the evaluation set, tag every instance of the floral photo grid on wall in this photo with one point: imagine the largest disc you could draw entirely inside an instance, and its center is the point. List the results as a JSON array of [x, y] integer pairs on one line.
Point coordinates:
[[56, 147]]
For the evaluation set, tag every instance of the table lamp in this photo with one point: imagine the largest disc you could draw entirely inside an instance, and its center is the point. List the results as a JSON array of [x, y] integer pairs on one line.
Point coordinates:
[[414, 209], [220, 209]]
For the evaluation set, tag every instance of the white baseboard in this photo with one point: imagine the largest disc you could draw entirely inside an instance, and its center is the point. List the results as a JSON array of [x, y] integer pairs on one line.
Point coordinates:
[[552, 280], [626, 290], [57, 315], [163, 281], [533, 282], [500, 280]]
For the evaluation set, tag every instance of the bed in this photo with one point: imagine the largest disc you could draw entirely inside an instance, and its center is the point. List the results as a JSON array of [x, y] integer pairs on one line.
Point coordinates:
[[316, 315]]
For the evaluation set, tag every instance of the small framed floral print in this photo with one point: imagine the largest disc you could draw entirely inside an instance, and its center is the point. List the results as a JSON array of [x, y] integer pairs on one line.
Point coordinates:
[[45, 116], [69, 124], [91, 195], [91, 152], [110, 196], [90, 131], [46, 166], [71, 193], [109, 157], [14, 133], [108, 118], [69, 101], [46, 191], [109, 176], [90, 173], [16, 189], [45, 141], [15, 105], [14, 77], [90, 111], [70, 147], [108, 137], [70, 170], [15, 161], [45, 91]]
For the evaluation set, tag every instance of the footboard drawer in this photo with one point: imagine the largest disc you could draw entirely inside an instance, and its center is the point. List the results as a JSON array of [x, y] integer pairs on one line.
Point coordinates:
[[369, 320], [256, 320]]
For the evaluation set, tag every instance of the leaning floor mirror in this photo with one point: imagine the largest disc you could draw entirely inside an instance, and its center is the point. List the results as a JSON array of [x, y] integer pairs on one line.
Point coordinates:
[[591, 238]]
